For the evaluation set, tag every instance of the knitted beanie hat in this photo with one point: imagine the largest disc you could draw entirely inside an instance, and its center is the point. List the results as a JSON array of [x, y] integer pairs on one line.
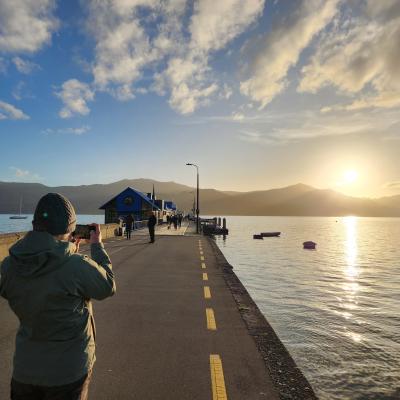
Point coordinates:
[[54, 214]]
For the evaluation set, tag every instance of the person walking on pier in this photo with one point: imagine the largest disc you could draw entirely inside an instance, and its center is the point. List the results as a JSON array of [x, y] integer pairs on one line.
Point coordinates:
[[48, 285], [180, 217], [129, 221], [151, 223]]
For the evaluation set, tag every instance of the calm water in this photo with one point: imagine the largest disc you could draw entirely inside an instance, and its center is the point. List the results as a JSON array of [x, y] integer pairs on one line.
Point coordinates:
[[337, 309], [22, 225]]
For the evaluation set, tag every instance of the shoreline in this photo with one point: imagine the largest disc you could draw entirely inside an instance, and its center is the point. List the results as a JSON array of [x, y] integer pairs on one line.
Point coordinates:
[[288, 379]]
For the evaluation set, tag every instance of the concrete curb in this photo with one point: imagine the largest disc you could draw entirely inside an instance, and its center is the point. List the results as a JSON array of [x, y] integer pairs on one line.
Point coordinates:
[[288, 379]]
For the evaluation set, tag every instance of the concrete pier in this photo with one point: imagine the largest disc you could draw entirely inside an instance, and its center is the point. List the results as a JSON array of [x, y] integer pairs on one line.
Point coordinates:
[[174, 330]]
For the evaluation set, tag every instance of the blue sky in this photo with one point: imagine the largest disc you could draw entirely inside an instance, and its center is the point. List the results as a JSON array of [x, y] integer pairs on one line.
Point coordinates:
[[260, 94]]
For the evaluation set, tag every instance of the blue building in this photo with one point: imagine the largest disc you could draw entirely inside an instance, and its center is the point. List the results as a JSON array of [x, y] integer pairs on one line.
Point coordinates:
[[130, 201], [170, 205]]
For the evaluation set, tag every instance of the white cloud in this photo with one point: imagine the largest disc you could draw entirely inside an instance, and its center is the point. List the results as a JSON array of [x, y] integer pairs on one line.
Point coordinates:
[[21, 91], [24, 66], [187, 76], [19, 173], [24, 174], [75, 95], [395, 185], [123, 45], [185, 99], [26, 25], [238, 116], [8, 111], [215, 23], [78, 131], [129, 45], [283, 46], [361, 58], [296, 127]]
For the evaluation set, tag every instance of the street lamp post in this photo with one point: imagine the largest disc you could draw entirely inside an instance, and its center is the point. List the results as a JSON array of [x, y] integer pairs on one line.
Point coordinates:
[[197, 202]]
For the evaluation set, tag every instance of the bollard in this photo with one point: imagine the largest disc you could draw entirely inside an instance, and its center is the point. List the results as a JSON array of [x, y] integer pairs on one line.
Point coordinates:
[[219, 221], [224, 223]]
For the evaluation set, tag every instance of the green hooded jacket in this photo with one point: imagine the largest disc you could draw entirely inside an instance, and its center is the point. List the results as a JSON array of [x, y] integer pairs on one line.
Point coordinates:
[[49, 289]]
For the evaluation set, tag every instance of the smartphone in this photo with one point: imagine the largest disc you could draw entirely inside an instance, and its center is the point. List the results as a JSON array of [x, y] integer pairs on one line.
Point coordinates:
[[83, 231]]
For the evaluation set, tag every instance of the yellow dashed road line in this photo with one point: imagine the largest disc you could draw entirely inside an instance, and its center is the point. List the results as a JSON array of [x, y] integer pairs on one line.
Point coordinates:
[[205, 276], [201, 253], [207, 292], [202, 258], [217, 378], [203, 265], [211, 324]]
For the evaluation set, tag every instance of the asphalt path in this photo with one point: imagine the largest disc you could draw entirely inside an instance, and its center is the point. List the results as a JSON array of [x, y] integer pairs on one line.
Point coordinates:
[[172, 331]]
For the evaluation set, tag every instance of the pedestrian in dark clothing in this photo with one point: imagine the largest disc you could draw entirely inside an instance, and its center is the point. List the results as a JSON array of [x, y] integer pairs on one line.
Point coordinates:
[[151, 223], [48, 285], [180, 220], [175, 221], [128, 226]]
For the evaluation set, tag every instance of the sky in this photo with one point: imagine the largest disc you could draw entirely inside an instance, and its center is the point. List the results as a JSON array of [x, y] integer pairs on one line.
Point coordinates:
[[259, 94]]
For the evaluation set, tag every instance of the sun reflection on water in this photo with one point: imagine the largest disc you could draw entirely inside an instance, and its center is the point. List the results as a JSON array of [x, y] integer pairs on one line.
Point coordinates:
[[352, 270], [351, 273]]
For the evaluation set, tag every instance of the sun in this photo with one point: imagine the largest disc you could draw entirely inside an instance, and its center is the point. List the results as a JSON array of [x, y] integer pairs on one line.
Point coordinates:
[[350, 176]]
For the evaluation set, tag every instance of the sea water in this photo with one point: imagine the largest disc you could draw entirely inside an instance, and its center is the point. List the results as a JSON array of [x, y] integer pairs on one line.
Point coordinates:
[[336, 308], [8, 225]]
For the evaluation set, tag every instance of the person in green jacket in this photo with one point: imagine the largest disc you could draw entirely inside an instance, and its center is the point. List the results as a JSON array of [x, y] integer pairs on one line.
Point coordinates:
[[48, 285]]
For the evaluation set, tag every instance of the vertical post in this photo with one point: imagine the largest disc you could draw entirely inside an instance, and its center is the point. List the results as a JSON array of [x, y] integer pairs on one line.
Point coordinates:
[[197, 205], [198, 199], [224, 223]]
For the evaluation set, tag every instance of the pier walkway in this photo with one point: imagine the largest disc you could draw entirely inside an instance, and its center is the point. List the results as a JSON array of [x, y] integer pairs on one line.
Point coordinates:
[[171, 332]]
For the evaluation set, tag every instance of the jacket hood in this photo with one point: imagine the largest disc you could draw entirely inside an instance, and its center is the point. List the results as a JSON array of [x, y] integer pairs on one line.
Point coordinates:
[[38, 253]]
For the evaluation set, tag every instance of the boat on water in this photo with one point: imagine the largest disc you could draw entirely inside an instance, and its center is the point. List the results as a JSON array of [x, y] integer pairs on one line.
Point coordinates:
[[270, 234], [19, 216]]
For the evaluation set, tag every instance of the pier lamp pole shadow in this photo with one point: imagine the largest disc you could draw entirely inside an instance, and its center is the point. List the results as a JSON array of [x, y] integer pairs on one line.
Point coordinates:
[[197, 202]]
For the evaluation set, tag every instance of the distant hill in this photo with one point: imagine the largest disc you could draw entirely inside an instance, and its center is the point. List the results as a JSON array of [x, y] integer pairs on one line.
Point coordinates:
[[293, 200]]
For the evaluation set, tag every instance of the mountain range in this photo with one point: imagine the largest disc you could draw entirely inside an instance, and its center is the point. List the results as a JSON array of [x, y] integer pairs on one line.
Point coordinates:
[[295, 200]]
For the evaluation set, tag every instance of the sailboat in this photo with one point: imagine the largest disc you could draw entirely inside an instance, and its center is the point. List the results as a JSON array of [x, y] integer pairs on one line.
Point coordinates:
[[20, 209]]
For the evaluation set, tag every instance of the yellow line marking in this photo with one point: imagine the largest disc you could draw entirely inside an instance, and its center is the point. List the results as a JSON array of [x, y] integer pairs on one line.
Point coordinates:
[[207, 292], [116, 251], [203, 265], [217, 378], [205, 276], [202, 258], [201, 253], [211, 325]]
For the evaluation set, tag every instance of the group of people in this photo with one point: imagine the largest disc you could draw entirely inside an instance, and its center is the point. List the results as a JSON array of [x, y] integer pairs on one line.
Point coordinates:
[[130, 225], [175, 220]]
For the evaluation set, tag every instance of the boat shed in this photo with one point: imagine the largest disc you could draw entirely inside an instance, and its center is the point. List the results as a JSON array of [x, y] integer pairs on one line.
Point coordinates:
[[129, 201]]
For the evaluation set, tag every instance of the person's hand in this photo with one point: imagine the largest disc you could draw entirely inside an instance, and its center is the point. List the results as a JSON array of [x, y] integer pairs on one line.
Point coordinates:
[[95, 236], [76, 242]]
